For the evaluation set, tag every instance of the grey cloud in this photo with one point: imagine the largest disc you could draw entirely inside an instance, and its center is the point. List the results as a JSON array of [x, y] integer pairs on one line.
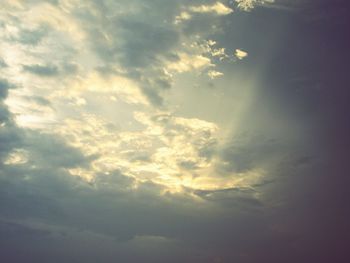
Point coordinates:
[[238, 197], [246, 152], [112, 207], [200, 24], [209, 149], [152, 95], [139, 47], [188, 165], [52, 70], [42, 70], [69, 68], [138, 156], [144, 43], [54, 152], [114, 179], [9, 134], [13, 231], [4, 87], [33, 37], [33, 189], [21, 199], [48, 193], [140, 40], [128, 214], [16, 198], [39, 100], [231, 225], [3, 63]]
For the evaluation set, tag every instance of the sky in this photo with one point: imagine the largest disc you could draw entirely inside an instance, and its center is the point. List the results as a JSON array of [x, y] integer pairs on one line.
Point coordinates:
[[174, 131]]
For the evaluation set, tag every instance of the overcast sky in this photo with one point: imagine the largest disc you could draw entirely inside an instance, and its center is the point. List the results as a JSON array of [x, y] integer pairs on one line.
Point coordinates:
[[174, 131]]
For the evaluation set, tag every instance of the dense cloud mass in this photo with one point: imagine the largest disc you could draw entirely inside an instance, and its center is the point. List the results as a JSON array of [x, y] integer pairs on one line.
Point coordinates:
[[173, 131]]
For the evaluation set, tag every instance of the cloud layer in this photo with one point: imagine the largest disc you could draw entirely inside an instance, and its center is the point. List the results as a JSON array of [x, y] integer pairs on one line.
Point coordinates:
[[164, 131]]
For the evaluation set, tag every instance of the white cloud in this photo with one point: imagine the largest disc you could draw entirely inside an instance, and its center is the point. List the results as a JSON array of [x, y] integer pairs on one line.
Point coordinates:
[[217, 8], [188, 62], [182, 17], [247, 5], [240, 54], [215, 74]]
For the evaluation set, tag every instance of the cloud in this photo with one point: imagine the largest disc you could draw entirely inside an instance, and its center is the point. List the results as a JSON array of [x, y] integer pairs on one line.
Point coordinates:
[[231, 197], [4, 87], [248, 5], [144, 46], [32, 36], [14, 231], [214, 74], [217, 8], [108, 139], [116, 37], [240, 54], [144, 43], [192, 12], [171, 146], [3, 63], [188, 63], [41, 70], [17, 156], [9, 137], [43, 149], [182, 17], [247, 152]]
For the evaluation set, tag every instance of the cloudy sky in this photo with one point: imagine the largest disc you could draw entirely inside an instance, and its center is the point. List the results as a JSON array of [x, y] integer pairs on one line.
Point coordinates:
[[174, 131]]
